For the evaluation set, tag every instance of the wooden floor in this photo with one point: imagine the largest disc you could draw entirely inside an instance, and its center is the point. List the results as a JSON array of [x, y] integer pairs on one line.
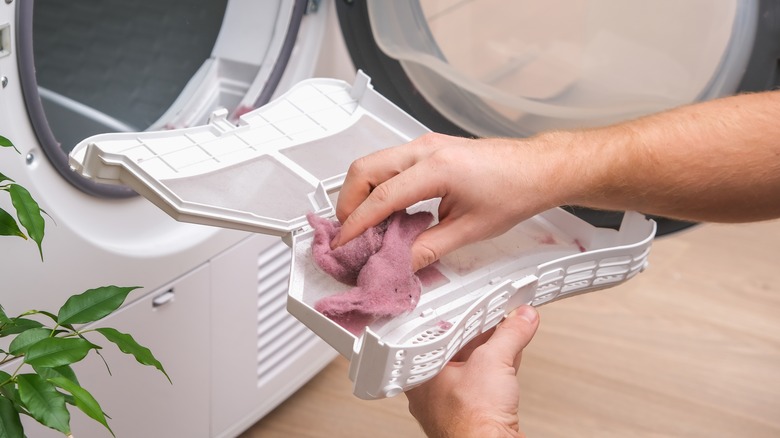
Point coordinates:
[[689, 348]]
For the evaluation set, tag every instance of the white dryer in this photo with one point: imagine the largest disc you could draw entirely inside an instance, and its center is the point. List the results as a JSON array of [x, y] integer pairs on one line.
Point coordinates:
[[212, 307]]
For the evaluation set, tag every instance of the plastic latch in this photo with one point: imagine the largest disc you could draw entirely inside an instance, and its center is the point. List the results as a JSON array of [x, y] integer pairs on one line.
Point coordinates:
[[288, 238], [524, 290]]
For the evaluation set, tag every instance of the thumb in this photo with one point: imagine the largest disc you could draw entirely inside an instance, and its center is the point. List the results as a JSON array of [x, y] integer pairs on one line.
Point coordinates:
[[514, 333]]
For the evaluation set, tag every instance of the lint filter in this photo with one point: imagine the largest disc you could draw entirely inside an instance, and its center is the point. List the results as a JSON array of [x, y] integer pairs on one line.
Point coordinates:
[[277, 163]]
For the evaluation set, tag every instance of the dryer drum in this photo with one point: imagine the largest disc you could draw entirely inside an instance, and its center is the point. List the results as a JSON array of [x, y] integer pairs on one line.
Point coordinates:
[[108, 66], [545, 58]]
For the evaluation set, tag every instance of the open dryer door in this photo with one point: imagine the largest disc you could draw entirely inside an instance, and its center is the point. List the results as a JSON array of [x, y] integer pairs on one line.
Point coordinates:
[[493, 68]]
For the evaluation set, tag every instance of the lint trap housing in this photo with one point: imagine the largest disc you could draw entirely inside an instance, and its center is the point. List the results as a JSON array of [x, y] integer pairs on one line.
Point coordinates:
[[288, 158]]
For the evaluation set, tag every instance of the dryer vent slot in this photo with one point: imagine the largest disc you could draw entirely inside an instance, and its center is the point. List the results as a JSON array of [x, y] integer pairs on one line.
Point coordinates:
[[280, 337]]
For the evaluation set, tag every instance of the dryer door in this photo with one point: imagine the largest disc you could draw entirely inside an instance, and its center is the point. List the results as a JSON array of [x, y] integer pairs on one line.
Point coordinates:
[[69, 70], [493, 68]]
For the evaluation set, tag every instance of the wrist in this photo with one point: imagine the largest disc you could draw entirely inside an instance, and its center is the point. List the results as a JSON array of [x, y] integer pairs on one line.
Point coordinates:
[[460, 425], [484, 429], [595, 167], [565, 175]]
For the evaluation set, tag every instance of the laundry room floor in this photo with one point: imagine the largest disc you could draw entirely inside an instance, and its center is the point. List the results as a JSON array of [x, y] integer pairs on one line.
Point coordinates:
[[689, 348]]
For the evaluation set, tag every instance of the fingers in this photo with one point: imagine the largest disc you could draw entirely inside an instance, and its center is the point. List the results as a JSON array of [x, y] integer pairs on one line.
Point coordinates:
[[464, 353], [414, 184], [370, 171], [441, 239], [507, 339], [513, 334], [385, 182]]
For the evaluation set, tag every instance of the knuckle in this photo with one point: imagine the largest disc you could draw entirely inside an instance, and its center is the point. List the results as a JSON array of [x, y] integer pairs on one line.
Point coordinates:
[[441, 157], [431, 139], [382, 193], [357, 167], [427, 254], [342, 213]]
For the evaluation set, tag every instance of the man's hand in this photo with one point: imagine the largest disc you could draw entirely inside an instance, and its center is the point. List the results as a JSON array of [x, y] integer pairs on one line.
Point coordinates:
[[477, 392]]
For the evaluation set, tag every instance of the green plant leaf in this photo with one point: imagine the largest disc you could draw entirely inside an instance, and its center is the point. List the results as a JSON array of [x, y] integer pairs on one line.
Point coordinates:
[[4, 319], [69, 399], [51, 316], [24, 340], [54, 352], [9, 391], [29, 214], [8, 226], [6, 390], [128, 345], [8, 387], [18, 325], [84, 400], [43, 402], [6, 143], [10, 424], [92, 305], [4, 178], [61, 371]]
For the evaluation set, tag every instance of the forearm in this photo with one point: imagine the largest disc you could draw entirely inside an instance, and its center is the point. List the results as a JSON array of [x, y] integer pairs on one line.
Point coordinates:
[[715, 161]]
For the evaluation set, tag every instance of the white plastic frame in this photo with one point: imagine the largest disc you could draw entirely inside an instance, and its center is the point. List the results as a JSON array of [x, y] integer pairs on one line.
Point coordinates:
[[402, 353], [548, 257]]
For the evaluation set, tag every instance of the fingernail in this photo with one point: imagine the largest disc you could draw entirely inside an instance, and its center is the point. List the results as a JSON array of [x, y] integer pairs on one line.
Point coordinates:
[[526, 312], [336, 240]]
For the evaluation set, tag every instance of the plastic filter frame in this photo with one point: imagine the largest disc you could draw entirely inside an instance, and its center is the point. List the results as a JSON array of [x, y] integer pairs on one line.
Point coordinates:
[[289, 158], [548, 257]]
